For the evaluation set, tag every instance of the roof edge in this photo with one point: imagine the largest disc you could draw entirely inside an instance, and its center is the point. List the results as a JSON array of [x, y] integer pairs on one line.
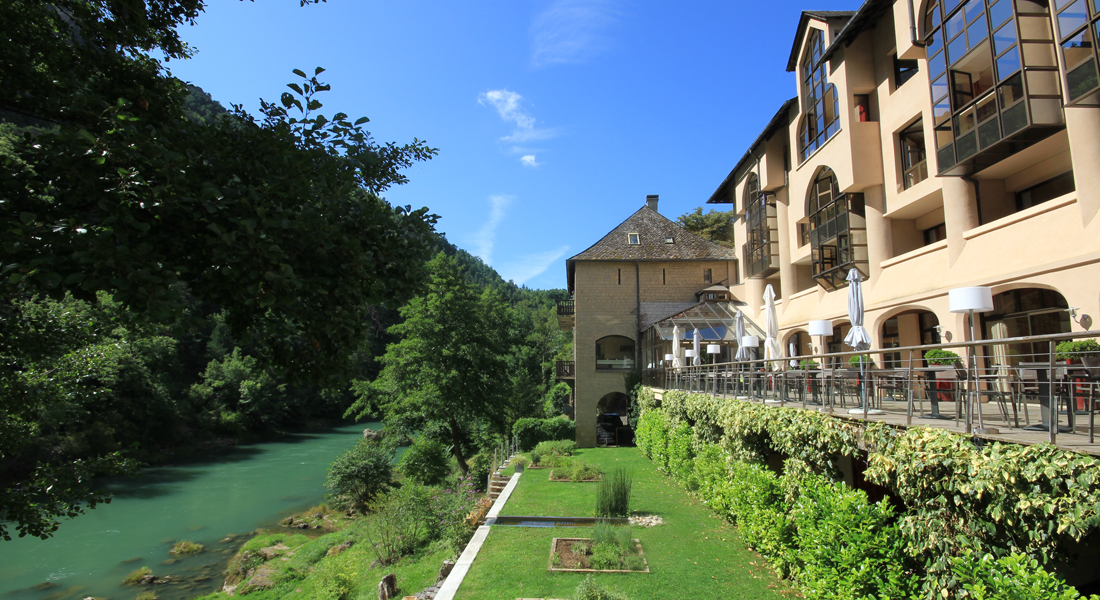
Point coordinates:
[[766, 134]]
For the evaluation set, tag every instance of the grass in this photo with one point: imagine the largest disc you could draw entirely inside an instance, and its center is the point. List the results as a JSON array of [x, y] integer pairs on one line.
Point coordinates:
[[135, 577], [693, 555], [186, 547]]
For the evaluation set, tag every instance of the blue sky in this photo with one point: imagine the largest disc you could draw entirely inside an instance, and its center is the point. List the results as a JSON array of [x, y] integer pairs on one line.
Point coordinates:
[[553, 118]]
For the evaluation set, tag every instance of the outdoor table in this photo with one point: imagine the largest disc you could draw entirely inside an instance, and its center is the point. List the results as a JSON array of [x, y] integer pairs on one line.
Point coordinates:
[[1043, 395], [933, 390]]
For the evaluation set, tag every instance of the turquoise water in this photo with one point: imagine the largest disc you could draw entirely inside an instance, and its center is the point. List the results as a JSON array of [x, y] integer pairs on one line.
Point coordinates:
[[228, 493]]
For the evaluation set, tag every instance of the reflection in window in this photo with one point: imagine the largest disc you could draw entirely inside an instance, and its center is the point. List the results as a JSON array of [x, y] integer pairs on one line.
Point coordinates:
[[914, 163], [1019, 313], [1047, 190], [904, 70], [838, 232], [1077, 38], [761, 251], [614, 353], [820, 103]]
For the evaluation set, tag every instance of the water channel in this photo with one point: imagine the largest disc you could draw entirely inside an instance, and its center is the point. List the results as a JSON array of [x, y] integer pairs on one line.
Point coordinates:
[[207, 499]]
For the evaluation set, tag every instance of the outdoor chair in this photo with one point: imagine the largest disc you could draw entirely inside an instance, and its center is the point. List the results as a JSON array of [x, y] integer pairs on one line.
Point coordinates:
[[999, 388]]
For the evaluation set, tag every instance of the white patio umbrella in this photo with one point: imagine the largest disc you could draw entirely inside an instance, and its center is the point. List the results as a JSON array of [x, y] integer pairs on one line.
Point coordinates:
[[858, 338], [696, 344], [792, 352], [772, 349], [1000, 356], [676, 362], [739, 330]]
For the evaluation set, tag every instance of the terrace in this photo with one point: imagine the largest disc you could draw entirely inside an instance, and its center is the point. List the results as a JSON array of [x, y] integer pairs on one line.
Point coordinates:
[[999, 390]]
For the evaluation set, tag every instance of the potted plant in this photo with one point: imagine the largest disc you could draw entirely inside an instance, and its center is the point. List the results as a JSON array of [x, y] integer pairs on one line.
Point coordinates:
[[808, 364], [853, 362], [941, 357], [1073, 351]]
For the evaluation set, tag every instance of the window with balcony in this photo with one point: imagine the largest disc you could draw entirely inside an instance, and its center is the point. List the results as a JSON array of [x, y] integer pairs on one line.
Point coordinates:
[[914, 160], [993, 75], [820, 105], [1078, 28], [1047, 190], [614, 353], [761, 251], [838, 232]]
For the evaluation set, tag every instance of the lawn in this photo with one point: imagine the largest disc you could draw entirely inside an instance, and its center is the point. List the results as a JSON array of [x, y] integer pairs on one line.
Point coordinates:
[[693, 555]]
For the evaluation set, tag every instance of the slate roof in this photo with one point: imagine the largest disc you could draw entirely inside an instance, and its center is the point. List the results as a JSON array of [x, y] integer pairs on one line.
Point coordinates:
[[864, 18], [652, 229]]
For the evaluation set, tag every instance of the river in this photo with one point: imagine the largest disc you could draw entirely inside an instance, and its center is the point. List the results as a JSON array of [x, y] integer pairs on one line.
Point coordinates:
[[204, 499]]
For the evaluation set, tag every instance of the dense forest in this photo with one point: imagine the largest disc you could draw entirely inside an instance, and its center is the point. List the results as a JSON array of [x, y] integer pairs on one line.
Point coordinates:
[[176, 275]]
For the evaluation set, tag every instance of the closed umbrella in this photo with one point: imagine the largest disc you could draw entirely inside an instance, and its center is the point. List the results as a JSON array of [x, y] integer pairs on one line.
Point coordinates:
[[739, 329], [696, 344], [1000, 356], [792, 352], [676, 362], [857, 337], [772, 349]]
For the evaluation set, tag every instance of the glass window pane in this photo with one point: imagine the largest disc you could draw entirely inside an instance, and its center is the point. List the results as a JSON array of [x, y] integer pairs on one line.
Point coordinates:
[[941, 111], [949, 5], [977, 31], [1082, 79], [939, 88], [1000, 12], [1060, 4], [1004, 38], [965, 122], [933, 15], [936, 66], [1039, 55], [1011, 92], [1015, 118], [989, 133], [935, 42], [955, 25], [1008, 64], [967, 145], [957, 49], [1073, 17], [1078, 48]]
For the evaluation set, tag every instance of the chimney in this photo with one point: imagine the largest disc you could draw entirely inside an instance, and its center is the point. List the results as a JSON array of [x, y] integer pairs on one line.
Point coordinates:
[[651, 202]]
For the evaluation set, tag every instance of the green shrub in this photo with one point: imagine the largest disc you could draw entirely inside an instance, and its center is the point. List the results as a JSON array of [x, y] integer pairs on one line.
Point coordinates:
[[634, 563], [556, 401], [652, 437], [536, 458], [532, 432], [712, 476], [605, 557], [359, 474], [402, 521], [584, 472], [521, 462], [936, 356], [582, 549], [480, 466], [425, 462], [1071, 350], [555, 460], [808, 364], [853, 361], [1013, 576], [758, 508], [562, 472], [556, 447], [135, 577], [680, 455], [613, 494], [590, 590]]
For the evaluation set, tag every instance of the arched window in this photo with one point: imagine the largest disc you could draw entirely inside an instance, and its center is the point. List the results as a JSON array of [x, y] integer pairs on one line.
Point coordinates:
[[614, 353], [1020, 313], [978, 52], [819, 101], [838, 232], [762, 246]]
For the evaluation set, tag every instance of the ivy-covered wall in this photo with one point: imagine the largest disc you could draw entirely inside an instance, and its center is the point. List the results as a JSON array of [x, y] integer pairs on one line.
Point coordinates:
[[969, 521]]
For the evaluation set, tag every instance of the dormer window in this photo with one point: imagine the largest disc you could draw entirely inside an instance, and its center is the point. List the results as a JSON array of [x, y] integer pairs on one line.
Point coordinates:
[[670, 240], [633, 239]]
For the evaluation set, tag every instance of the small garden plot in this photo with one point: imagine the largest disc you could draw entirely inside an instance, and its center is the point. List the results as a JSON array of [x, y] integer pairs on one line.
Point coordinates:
[[552, 454], [611, 549], [575, 471]]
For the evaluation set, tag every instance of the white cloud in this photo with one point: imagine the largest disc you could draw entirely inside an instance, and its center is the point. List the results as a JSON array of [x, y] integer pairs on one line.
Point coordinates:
[[570, 31], [529, 160], [508, 105], [530, 266], [483, 241]]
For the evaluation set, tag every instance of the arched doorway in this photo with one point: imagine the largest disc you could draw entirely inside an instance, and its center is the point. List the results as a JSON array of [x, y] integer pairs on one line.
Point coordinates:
[[908, 328], [612, 419], [1023, 312], [614, 403]]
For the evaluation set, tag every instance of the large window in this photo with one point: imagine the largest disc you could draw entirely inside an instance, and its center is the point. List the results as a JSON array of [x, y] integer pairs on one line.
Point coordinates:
[[1019, 313], [614, 353], [838, 232], [1078, 28], [914, 163], [820, 104], [993, 73], [1047, 190], [762, 249]]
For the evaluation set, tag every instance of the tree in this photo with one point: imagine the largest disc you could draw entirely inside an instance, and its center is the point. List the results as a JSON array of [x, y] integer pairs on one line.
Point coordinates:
[[447, 375], [359, 474], [716, 226]]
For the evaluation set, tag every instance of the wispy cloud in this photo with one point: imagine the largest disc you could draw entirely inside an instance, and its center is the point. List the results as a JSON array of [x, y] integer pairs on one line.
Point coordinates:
[[509, 107], [570, 31], [484, 239], [530, 266], [528, 160]]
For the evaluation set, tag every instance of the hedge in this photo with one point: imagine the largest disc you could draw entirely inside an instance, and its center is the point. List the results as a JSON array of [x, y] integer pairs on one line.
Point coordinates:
[[969, 516], [529, 432]]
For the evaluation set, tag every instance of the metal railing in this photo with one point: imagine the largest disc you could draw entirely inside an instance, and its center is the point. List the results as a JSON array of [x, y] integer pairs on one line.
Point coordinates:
[[567, 308], [503, 452], [1019, 385], [566, 369]]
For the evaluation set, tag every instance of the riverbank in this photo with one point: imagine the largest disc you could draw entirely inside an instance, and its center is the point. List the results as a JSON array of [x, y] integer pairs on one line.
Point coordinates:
[[218, 499]]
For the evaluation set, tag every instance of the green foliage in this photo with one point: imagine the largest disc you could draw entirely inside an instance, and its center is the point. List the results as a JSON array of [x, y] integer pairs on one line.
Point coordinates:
[[716, 226], [1013, 576], [590, 590], [808, 364], [556, 401], [564, 447], [652, 437], [136, 576], [359, 474], [575, 471], [605, 557], [244, 396], [938, 356], [425, 462], [1076, 350], [532, 432], [613, 494], [401, 522], [481, 466], [867, 363], [186, 547], [681, 455]]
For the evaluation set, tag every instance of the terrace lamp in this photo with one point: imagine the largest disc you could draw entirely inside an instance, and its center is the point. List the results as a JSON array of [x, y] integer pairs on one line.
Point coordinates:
[[970, 300], [713, 350], [750, 341], [668, 360], [821, 329]]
